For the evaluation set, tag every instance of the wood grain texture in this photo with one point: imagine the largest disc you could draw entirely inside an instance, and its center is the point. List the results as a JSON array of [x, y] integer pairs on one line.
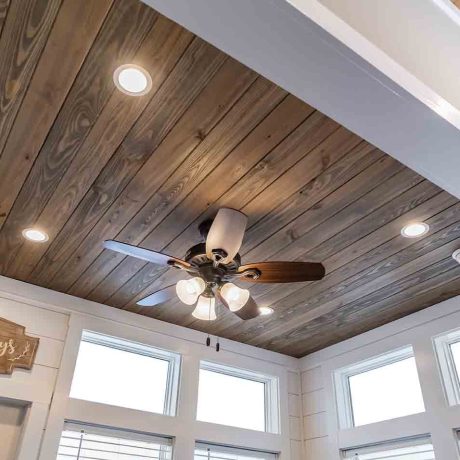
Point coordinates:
[[87, 163], [24, 33], [87, 97], [47, 90], [161, 49]]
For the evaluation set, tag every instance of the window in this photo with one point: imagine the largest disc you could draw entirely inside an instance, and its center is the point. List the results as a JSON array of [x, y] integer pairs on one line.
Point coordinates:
[[235, 397], [211, 452], [127, 374], [448, 353], [381, 388], [412, 449], [80, 442]]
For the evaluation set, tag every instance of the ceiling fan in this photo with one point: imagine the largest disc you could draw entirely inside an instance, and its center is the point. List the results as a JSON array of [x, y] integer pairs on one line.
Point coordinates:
[[213, 265]]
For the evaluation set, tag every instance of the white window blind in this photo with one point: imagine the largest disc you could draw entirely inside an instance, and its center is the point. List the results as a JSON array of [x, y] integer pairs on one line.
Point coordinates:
[[212, 452], [414, 449], [81, 442]]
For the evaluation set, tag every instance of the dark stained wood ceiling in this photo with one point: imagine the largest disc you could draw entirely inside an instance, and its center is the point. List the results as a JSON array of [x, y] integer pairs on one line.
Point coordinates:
[[85, 163]]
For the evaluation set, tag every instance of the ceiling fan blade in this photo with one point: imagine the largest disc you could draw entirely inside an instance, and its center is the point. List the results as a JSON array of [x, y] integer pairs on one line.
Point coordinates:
[[249, 311], [158, 297], [145, 254], [283, 272], [226, 233]]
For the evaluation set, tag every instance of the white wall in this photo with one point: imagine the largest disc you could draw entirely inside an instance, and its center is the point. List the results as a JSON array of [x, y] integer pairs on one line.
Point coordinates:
[[59, 320], [418, 34], [323, 436], [11, 420]]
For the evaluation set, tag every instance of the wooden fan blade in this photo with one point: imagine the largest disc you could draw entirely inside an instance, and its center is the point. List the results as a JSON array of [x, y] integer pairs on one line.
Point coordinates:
[[249, 311], [282, 272], [145, 254], [158, 297]]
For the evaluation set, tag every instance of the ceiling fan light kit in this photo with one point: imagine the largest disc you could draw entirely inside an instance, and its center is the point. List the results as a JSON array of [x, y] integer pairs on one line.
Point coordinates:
[[214, 264]]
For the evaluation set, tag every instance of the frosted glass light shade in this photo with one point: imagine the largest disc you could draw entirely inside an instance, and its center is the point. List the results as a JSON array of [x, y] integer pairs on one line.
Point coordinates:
[[235, 297], [205, 308], [226, 232], [189, 290]]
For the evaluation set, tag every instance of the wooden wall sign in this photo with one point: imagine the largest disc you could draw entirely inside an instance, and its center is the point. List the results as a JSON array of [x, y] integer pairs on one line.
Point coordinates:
[[16, 348]]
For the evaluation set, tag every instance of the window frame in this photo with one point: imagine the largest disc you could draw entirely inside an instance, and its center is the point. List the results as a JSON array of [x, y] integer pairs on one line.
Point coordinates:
[[350, 452], [342, 376], [445, 359], [172, 358], [271, 392], [232, 449]]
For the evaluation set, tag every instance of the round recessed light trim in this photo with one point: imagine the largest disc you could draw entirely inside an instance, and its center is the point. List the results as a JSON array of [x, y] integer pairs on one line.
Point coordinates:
[[456, 255], [265, 311], [132, 79], [415, 230], [35, 235]]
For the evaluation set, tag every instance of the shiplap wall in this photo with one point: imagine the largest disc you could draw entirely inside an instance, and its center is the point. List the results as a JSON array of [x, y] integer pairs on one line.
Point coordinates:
[[315, 434], [295, 416]]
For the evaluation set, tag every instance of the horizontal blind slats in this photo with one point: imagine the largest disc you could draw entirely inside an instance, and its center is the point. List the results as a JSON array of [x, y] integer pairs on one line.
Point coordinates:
[[81, 445]]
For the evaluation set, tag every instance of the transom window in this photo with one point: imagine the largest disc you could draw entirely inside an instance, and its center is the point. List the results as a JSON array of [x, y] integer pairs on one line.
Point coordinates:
[[212, 452], [378, 389], [410, 449], [236, 397], [127, 374]]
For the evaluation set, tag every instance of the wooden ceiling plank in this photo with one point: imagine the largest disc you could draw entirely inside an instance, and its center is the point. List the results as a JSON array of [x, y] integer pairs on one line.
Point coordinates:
[[158, 54], [348, 274], [262, 138], [4, 4], [121, 35], [313, 130], [219, 96], [47, 91], [25, 31], [380, 244], [337, 201], [175, 96], [389, 281], [421, 291]]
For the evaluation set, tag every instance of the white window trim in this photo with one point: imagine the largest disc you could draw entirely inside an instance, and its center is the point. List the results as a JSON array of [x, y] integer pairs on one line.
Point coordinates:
[[256, 454], [350, 453], [271, 384], [449, 373], [342, 383], [173, 359]]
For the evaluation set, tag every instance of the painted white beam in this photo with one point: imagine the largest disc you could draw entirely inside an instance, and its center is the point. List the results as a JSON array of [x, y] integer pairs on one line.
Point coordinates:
[[317, 57]]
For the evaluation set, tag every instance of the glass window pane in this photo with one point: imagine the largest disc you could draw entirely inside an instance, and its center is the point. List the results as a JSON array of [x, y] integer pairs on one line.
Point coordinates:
[[387, 392], [119, 377], [231, 400]]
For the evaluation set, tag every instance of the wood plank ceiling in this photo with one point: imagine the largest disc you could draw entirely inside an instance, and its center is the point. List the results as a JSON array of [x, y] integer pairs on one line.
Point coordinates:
[[85, 163]]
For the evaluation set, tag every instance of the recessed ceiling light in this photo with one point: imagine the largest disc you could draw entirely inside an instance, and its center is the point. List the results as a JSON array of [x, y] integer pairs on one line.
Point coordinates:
[[456, 255], [265, 311], [132, 80], [415, 229], [35, 235]]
